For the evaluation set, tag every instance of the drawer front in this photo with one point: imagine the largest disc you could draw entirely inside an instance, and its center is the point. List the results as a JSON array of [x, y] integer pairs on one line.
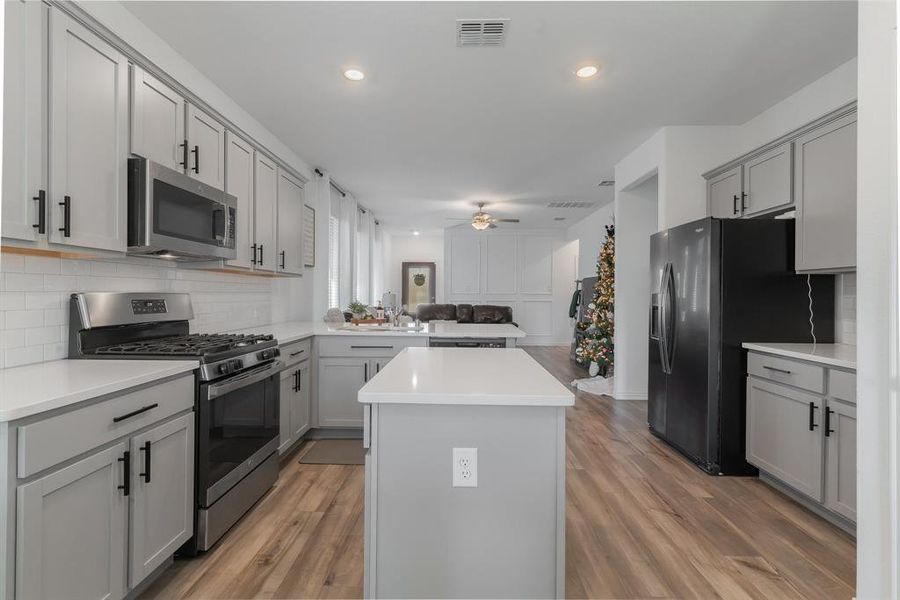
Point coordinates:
[[842, 385], [367, 346], [48, 442], [294, 352], [784, 370]]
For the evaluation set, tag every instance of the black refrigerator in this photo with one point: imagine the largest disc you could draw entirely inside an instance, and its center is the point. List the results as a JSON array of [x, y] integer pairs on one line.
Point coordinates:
[[716, 283]]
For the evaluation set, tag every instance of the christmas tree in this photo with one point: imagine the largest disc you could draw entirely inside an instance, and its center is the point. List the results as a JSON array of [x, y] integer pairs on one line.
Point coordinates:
[[597, 344]]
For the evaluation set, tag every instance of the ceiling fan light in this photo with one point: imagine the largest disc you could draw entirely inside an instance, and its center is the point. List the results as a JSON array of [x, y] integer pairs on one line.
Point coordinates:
[[481, 225]]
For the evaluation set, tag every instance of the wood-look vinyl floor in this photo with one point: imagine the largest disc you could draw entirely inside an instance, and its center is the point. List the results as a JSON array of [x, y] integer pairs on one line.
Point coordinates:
[[641, 523]]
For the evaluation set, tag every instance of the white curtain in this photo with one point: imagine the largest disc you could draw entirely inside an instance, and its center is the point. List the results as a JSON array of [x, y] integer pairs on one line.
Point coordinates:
[[347, 211], [364, 256], [378, 265]]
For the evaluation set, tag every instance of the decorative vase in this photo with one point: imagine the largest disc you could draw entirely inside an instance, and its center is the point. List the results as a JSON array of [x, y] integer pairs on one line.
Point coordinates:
[[593, 369]]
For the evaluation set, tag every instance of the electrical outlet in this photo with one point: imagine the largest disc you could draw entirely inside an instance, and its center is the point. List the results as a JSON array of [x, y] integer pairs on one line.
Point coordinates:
[[465, 467]]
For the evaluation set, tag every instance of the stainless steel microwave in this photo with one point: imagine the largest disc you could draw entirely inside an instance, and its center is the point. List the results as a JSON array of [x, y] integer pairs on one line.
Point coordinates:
[[171, 215]]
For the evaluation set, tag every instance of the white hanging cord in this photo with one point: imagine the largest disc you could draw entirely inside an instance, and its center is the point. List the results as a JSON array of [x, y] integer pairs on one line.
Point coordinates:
[[812, 325]]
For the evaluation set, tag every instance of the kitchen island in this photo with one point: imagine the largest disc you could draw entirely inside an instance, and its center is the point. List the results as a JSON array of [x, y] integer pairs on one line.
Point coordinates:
[[465, 474]]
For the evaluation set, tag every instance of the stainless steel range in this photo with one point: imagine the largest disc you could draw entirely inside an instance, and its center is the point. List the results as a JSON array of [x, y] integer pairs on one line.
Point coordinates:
[[236, 400]]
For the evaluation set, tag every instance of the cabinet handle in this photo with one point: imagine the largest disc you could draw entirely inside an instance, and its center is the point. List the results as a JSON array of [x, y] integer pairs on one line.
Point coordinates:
[[41, 199], [377, 368], [282, 259], [296, 377], [126, 473], [777, 370], [134, 413], [299, 381], [734, 205], [743, 201], [371, 347], [812, 419], [828, 429], [184, 153], [253, 257], [67, 216], [365, 371], [260, 254], [146, 450], [196, 153], [293, 354]]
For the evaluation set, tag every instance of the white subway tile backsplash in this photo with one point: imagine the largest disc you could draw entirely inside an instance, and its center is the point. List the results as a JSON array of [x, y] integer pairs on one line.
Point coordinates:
[[34, 305], [845, 308]]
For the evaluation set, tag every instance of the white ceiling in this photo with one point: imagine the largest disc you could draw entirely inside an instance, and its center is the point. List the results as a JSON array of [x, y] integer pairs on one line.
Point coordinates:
[[434, 128]]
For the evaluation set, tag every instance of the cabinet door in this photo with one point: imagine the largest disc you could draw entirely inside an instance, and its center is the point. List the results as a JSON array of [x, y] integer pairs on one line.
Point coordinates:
[[724, 194], [290, 224], [767, 181], [239, 157], [157, 121], [825, 182], [162, 509], [71, 530], [264, 202], [206, 144], [24, 119], [536, 264], [285, 396], [840, 459], [376, 365], [339, 382], [88, 137], [780, 439], [300, 402]]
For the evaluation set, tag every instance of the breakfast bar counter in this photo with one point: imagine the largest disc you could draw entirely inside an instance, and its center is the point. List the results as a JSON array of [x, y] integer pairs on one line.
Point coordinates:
[[465, 473]]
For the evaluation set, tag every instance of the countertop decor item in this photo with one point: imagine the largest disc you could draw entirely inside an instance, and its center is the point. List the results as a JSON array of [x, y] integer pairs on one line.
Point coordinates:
[[334, 316]]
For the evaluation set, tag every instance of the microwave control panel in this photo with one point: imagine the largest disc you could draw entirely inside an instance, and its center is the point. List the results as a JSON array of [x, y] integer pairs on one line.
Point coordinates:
[[149, 307]]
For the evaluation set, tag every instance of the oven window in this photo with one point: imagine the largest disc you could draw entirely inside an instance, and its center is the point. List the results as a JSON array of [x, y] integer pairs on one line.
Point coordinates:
[[181, 214], [238, 424]]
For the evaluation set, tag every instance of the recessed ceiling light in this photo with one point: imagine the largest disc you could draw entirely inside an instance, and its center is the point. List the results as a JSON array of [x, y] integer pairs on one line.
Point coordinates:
[[354, 75], [586, 72], [415, 233]]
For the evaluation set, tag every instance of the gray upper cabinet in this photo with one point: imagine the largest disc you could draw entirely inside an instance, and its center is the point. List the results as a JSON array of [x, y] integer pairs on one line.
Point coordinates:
[[206, 148], [724, 194], [265, 198], [825, 182], [840, 477], [767, 182], [71, 530], [239, 158], [88, 137], [162, 516], [25, 121], [290, 224], [157, 120]]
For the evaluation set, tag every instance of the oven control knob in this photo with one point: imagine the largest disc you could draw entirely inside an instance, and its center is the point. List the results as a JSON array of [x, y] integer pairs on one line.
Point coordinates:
[[224, 369], [266, 355], [238, 364]]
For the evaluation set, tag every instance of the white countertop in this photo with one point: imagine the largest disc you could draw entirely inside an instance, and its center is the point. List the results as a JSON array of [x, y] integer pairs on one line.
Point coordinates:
[[33, 389], [835, 355], [472, 376], [292, 331]]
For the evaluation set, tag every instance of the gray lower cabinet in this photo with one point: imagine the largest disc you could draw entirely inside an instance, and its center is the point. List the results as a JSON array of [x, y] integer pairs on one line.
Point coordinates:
[[840, 462], [783, 435], [825, 182], [340, 379], [72, 530], [162, 516], [294, 417]]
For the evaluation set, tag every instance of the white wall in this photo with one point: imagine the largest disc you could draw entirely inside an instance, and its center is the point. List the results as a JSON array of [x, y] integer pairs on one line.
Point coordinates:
[[636, 219], [415, 248], [878, 554], [590, 232]]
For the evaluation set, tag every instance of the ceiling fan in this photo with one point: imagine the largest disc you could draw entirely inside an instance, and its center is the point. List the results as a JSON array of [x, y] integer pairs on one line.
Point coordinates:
[[482, 220]]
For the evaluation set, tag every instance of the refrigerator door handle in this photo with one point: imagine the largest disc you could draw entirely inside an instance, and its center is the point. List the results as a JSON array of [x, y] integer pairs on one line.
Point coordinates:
[[663, 339], [669, 323]]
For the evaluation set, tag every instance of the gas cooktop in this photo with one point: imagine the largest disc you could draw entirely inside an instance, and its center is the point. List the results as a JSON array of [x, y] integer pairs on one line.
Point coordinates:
[[193, 345]]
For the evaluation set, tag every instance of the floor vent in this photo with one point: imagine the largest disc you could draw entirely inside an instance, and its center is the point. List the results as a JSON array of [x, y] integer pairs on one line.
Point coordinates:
[[481, 32], [571, 204]]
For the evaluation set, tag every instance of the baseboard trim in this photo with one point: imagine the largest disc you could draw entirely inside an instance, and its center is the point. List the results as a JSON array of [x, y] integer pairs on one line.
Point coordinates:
[[630, 395]]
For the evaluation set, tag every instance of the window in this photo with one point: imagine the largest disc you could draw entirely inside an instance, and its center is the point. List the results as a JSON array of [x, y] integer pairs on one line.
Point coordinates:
[[334, 278]]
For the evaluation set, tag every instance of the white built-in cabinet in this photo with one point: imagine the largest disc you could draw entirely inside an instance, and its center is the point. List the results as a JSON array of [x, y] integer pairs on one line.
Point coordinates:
[[206, 147], [25, 121], [801, 429], [290, 224], [813, 170], [265, 198], [239, 165], [88, 137], [157, 121]]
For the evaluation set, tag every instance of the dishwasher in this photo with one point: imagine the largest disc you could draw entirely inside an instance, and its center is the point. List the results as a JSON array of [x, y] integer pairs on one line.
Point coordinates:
[[467, 342]]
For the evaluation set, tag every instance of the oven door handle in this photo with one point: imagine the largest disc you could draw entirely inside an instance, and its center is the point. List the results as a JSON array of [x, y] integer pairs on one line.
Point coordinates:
[[244, 379]]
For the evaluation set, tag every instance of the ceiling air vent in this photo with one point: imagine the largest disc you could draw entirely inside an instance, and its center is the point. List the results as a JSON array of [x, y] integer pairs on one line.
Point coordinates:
[[481, 32], [571, 204]]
